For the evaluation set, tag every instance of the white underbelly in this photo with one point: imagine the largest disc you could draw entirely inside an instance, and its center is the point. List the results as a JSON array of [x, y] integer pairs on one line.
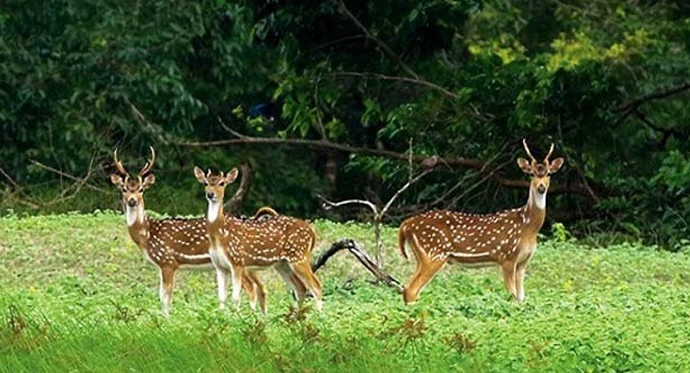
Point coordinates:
[[477, 265], [198, 267]]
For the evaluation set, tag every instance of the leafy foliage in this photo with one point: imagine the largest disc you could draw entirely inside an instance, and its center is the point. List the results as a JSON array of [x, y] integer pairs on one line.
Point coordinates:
[[463, 79]]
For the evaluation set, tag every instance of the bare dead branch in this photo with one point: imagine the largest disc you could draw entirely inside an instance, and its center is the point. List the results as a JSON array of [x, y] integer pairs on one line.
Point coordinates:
[[362, 257], [14, 197], [402, 189], [327, 205], [79, 180], [9, 178], [227, 128]]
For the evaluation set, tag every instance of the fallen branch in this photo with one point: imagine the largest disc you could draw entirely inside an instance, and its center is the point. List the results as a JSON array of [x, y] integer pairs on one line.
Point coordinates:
[[362, 257], [429, 164]]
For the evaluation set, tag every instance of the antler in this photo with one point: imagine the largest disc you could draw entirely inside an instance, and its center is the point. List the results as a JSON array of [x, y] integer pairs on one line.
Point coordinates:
[[524, 143], [149, 163], [119, 165], [546, 159]]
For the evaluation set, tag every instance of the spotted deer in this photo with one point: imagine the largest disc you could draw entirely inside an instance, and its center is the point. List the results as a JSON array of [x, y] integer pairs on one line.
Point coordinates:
[[507, 238], [237, 245], [168, 244]]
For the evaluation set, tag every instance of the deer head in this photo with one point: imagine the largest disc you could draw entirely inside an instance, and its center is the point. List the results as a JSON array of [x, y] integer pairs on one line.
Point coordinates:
[[132, 188], [540, 172], [215, 184]]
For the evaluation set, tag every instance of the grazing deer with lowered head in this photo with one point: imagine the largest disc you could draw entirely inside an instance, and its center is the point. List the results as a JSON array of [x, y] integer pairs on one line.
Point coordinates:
[[282, 242], [507, 238], [169, 244]]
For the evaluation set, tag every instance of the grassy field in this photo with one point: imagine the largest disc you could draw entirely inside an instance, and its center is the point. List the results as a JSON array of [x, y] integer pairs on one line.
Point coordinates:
[[77, 295]]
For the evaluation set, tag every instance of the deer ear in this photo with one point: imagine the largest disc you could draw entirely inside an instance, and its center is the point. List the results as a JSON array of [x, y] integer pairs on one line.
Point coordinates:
[[555, 165], [117, 180], [524, 165], [199, 174], [149, 180], [231, 176]]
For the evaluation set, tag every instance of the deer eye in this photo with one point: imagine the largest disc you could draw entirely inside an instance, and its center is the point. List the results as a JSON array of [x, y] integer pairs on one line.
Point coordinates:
[[205, 183], [221, 183], [124, 190], [141, 190]]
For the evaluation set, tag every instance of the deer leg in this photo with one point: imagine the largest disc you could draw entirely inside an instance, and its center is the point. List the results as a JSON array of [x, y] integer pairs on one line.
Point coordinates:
[[250, 287], [259, 291], [298, 289], [520, 281], [426, 270], [222, 279], [509, 277], [237, 275], [303, 271], [167, 283]]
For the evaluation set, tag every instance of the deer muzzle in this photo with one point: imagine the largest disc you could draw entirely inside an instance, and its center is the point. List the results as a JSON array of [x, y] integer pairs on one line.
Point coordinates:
[[541, 189], [211, 196], [132, 202]]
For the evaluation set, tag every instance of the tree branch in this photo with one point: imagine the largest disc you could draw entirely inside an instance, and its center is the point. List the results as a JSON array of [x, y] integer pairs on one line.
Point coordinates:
[[326, 144], [474, 164], [368, 75], [381, 44], [402, 189], [79, 180], [665, 131], [631, 106], [327, 205], [9, 178], [656, 95]]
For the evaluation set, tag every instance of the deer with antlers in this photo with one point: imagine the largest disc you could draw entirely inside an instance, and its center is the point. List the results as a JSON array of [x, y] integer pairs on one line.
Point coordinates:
[[507, 238], [282, 242], [170, 244]]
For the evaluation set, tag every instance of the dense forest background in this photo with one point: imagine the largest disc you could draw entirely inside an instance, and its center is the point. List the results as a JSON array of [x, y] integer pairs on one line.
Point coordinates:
[[346, 99]]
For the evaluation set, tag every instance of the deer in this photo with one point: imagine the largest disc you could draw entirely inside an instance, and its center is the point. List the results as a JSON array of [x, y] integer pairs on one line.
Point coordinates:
[[174, 243], [282, 242], [507, 238]]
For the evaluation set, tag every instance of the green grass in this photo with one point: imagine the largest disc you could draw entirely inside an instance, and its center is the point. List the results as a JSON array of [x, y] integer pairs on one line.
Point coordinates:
[[77, 295]]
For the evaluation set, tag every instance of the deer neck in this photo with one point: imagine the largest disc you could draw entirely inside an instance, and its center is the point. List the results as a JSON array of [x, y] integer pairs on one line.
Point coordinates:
[[216, 216], [137, 224], [535, 210]]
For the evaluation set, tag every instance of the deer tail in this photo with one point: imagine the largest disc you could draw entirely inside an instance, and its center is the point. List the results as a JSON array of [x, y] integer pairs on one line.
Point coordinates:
[[265, 211], [401, 240]]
